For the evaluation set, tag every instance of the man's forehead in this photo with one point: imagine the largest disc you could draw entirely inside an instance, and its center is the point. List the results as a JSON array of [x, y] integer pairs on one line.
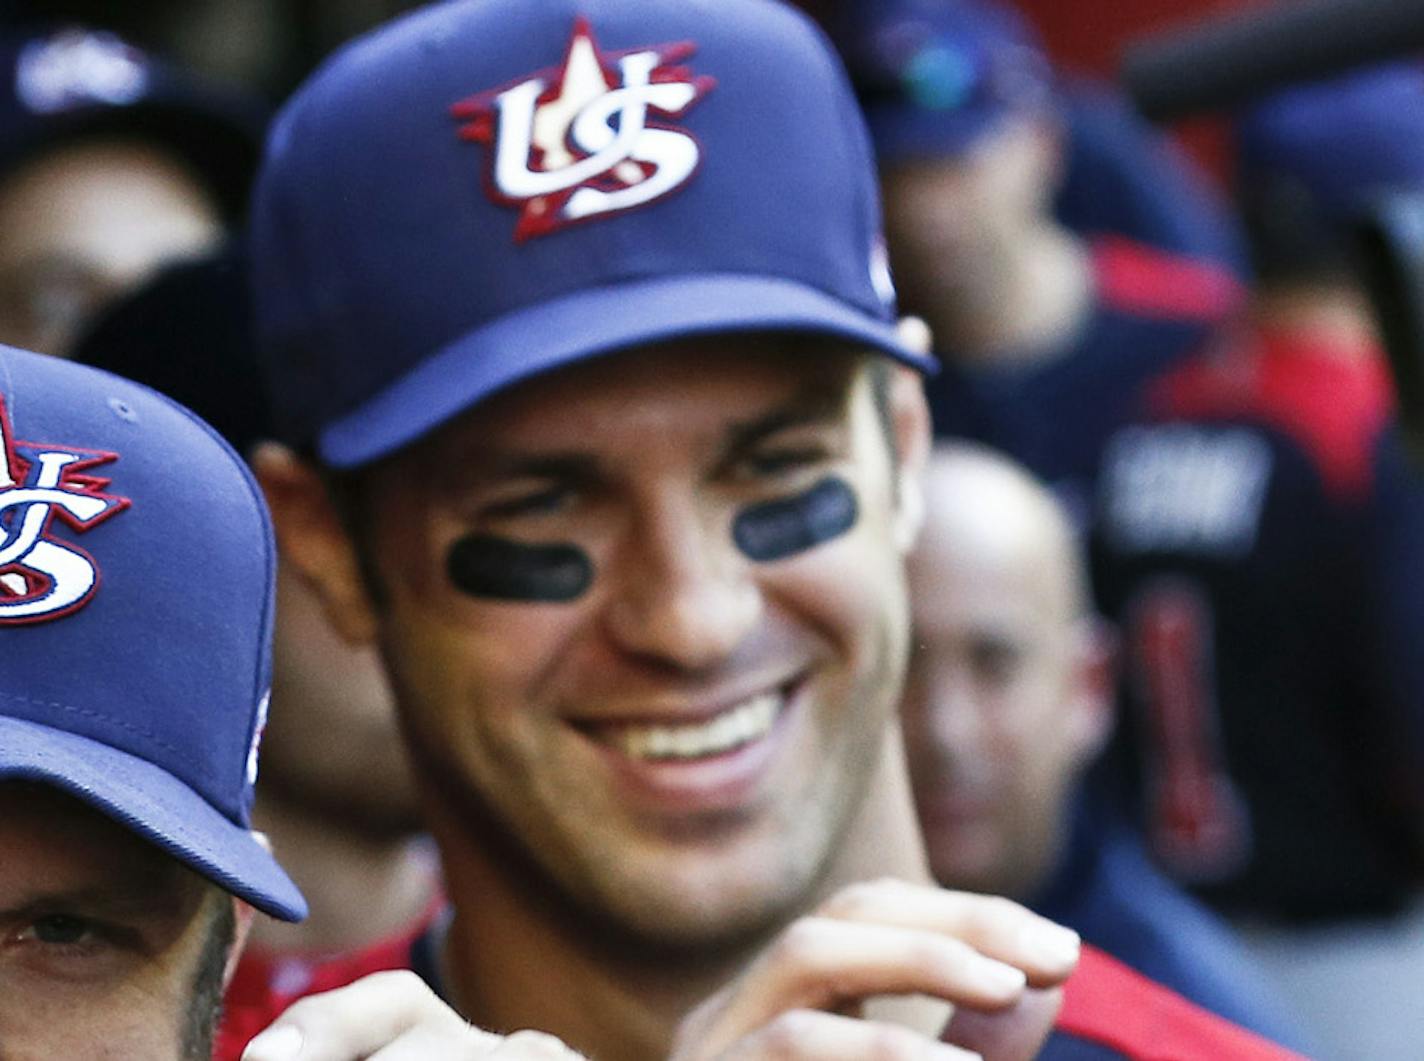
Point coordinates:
[[68, 848], [715, 382]]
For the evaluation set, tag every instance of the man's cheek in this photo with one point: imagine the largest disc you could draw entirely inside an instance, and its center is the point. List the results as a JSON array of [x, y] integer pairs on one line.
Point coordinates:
[[788, 526], [490, 568]]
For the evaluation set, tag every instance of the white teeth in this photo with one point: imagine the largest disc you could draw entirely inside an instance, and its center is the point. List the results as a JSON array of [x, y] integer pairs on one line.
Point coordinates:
[[748, 721]]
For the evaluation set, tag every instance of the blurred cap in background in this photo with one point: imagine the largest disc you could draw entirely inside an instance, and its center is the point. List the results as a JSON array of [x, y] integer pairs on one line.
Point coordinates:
[[935, 77], [188, 333], [62, 85], [1310, 157]]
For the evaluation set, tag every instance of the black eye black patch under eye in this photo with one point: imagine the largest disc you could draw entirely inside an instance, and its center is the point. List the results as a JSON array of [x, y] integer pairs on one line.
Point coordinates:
[[774, 530], [499, 569]]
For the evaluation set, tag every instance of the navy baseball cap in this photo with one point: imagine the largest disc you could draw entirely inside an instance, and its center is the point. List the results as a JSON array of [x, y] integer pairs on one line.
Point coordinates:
[[187, 334], [63, 84], [1339, 140], [486, 190], [136, 596], [937, 76]]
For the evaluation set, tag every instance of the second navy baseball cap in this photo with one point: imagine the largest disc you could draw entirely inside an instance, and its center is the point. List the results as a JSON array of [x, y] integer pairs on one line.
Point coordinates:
[[136, 597], [938, 76], [488, 189], [1338, 140]]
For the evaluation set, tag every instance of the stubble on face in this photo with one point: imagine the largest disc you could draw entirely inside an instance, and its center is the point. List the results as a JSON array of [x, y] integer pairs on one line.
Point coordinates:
[[500, 700]]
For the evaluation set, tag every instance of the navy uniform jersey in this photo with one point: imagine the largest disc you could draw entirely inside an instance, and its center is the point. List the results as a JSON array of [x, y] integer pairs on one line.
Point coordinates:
[[1107, 889], [1230, 545], [1397, 572], [1152, 310]]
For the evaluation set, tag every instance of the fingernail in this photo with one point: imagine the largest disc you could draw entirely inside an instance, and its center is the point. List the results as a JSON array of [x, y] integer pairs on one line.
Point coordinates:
[[1003, 978], [275, 1044], [954, 1053], [1053, 943]]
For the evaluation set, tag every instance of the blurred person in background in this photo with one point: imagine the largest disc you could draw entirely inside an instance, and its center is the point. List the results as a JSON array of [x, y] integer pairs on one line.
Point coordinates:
[[1008, 701], [1272, 766], [111, 164], [337, 799], [1047, 333], [265, 45]]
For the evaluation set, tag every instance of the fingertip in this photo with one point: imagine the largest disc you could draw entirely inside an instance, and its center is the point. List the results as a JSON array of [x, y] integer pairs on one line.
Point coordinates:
[[1053, 946], [1006, 981], [282, 1042]]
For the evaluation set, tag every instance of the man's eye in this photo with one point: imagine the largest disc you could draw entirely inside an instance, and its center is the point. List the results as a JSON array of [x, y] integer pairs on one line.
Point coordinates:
[[783, 461], [996, 663], [536, 503], [61, 930], [69, 948]]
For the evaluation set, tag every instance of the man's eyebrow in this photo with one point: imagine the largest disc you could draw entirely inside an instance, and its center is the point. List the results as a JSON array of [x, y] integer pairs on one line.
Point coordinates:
[[149, 899], [572, 467], [821, 402]]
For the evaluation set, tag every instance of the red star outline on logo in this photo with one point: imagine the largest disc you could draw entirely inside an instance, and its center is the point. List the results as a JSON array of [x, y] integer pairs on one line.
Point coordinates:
[[479, 114], [75, 479]]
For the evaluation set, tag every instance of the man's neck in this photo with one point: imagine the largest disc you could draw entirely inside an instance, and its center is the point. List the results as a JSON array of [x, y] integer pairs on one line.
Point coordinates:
[[508, 966], [1023, 312], [1337, 317], [362, 886]]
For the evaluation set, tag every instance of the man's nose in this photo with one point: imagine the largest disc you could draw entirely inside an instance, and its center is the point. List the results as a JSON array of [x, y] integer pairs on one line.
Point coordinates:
[[685, 596], [952, 720]]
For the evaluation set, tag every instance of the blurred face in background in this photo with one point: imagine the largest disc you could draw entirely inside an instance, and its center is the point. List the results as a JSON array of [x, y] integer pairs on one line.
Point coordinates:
[[954, 223], [333, 743], [86, 222], [1008, 693]]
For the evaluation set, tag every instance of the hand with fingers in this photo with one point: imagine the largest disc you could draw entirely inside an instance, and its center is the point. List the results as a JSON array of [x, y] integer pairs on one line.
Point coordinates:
[[1000, 966], [391, 1016]]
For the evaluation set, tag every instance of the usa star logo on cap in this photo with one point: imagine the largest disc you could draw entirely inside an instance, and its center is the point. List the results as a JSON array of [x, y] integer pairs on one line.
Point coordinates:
[[588, 139], [41, 576]]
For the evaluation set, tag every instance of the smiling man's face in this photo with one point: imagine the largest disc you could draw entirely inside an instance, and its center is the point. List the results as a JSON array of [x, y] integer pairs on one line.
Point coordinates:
[[108, 947], [679, 734]]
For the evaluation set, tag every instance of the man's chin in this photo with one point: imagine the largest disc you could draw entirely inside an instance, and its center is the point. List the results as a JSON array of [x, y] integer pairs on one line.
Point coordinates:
[[702, 915], [969, 863]]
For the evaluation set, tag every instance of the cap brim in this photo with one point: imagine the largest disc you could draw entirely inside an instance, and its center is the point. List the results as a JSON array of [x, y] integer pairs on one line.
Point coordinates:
[[903, 133], [587, 324], [154, 805]]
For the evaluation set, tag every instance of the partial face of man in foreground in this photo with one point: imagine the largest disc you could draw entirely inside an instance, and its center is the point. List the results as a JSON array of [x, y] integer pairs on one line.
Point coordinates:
[[108, 947], [135, 629]]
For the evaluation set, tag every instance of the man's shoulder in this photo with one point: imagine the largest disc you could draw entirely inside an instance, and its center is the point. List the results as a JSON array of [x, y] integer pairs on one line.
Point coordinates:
[[1151, 283], [1110, 1011]]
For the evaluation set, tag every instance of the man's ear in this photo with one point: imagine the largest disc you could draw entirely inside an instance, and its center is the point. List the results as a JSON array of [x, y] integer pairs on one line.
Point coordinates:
[[1051, 150], [1093, 711], [243, 916], [910, 422], [313, 540]]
